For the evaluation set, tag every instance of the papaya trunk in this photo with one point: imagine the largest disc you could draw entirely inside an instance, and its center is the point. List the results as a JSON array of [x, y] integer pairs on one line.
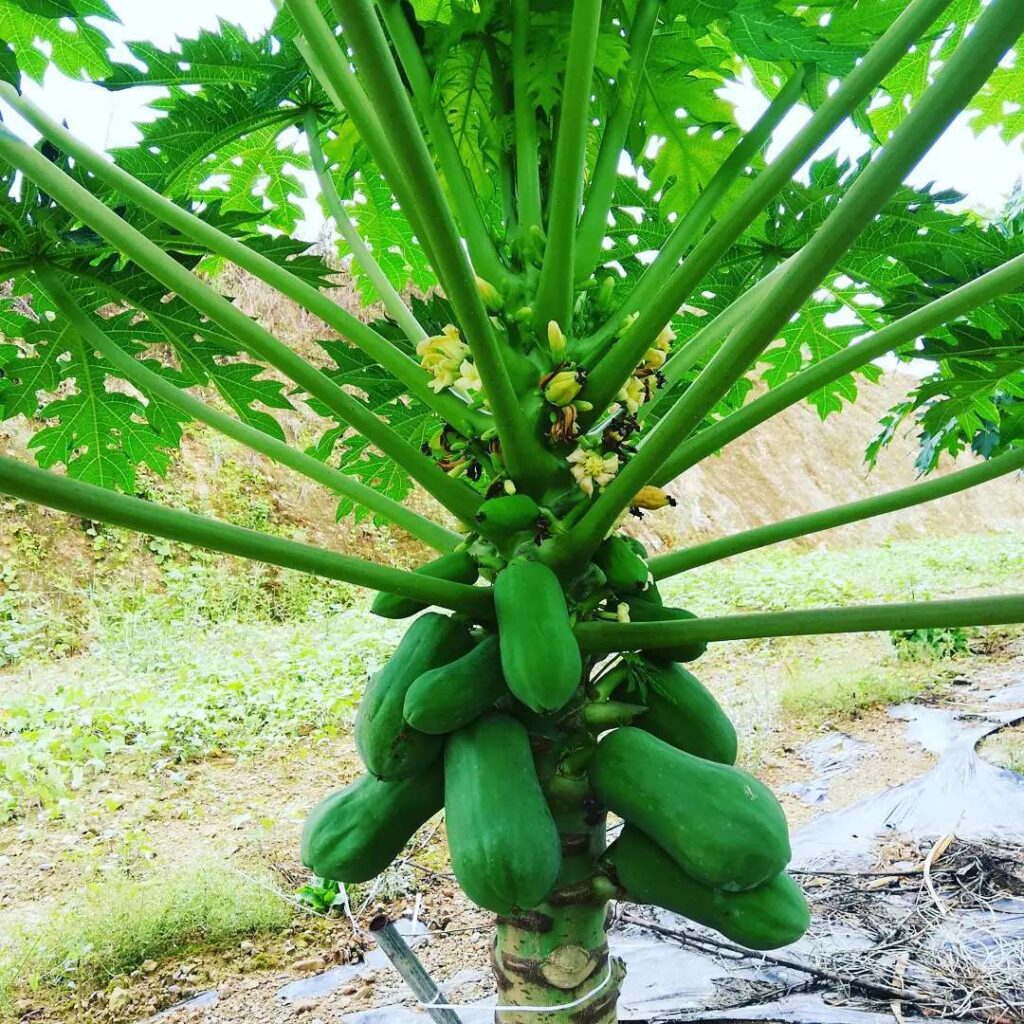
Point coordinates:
[[557, 953]]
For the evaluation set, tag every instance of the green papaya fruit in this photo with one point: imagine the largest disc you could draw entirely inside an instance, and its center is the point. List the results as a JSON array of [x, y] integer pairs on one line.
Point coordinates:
[[450, 696], [625, 570], [772, 915], [389, 746], [539, 654], [456, 567], [504, 844], [722, 826], [354, 834], [681, 711], [509, 513], [643, 610]]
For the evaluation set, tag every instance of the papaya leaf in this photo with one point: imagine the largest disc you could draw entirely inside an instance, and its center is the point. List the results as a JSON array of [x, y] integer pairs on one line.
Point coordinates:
[[9, 70], [74, 46]]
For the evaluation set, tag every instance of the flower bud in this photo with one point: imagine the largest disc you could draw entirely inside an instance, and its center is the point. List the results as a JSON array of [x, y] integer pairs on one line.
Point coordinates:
[[562, 387], [556, 340], [652, 498], [490, 295]]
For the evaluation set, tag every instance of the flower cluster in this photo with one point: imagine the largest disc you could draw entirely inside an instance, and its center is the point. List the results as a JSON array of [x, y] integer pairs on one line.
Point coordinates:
[[446, 358], [646, 378]]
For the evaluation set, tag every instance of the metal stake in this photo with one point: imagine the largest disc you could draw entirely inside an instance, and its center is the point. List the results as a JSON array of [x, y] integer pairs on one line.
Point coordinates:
[[413, 973]]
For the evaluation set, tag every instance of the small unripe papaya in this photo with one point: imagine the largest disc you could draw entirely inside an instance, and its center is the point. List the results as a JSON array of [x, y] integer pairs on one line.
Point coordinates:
[[508, 513], [625, 570]]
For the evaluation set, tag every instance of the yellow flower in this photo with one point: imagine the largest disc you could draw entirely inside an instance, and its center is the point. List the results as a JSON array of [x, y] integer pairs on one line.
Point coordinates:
[[469, 377], [442, 355], [655, 356], [633, 394], [590, 468], [563, 387]]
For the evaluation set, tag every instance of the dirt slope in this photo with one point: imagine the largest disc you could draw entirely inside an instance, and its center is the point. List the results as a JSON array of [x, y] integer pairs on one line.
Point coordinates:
[[795, 464]]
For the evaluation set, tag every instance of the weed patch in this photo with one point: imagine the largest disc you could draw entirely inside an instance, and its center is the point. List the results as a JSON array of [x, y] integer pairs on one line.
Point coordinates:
[[779, 579], [821, 695], [117, 925]]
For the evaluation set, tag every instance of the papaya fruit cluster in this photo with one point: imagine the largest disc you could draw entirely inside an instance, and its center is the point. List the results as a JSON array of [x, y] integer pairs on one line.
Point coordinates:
[[448, 723]]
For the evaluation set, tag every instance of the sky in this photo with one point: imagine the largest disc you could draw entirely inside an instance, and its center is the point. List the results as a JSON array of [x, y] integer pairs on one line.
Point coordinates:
[[983, 167]]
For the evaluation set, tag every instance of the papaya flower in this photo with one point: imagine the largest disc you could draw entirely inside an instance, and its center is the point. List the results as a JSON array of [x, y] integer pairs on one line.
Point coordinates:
[[591, 468], [633, 395], [469, 377], [442, 357], [562, 387]]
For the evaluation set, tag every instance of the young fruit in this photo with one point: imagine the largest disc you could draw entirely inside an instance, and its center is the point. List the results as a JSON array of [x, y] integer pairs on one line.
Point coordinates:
[[539, 654], [503, 841], [354, 834], [389, 747], [719, 824], [456, 566], [509, 513], [772, 915], [682, 711], [451, 696], [625, 569], [643, 610]]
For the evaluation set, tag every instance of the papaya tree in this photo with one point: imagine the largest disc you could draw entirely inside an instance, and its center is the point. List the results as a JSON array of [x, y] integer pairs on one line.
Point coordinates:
[[617, 282]]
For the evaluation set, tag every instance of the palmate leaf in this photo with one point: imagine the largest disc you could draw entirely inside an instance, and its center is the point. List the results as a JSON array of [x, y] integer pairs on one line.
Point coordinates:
[[220, 125], [389, 236], [9, 71], [100, 433], [917, 250], [44, 32], [974, 396], [463, 88], [226, 56], [385, 396]]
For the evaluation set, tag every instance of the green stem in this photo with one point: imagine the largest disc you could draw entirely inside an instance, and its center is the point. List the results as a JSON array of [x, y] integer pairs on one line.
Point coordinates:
[[555, 288], [349, 327], [609, 375], [690, 228], [456, 496], [704, 342], [840, 515], [322, 52], [527, 147], [151, 382], [393, 302], [594, 221], [1004, 279], [461, 190], [97, 503], [521, 449], [960, 78], [607, 637]]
